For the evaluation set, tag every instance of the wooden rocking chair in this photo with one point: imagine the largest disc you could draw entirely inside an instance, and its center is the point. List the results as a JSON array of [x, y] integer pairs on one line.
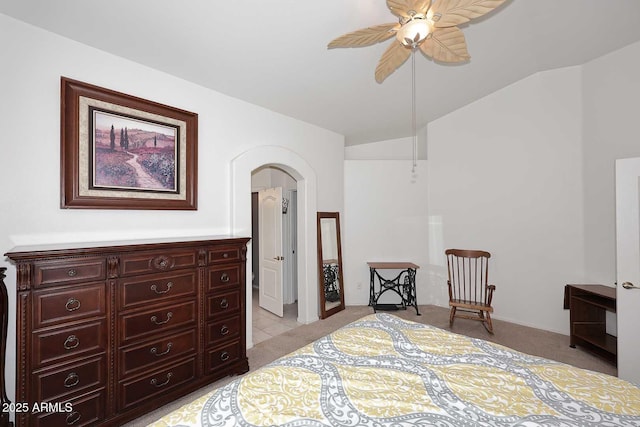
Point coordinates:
[[469, 291]]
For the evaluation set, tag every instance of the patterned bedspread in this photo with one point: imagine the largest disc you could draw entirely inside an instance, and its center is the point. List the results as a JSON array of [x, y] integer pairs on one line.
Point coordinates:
[[385, 371]]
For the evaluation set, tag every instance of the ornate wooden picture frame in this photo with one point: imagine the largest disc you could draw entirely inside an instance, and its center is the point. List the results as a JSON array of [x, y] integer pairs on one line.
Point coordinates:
[[118, 151]]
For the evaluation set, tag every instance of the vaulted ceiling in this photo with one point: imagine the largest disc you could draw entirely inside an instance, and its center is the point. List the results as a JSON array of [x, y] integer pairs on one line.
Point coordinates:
[[273, 53]]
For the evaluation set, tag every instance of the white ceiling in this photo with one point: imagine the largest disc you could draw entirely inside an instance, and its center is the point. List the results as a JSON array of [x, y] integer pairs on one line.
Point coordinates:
[[273, 53]]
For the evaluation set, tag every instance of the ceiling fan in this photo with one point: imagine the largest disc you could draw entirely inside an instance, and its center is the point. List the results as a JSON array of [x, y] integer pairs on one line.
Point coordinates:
[[430, 27]]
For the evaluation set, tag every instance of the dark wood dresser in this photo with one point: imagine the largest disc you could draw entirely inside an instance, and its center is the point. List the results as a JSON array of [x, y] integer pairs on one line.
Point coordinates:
[[107, 333]]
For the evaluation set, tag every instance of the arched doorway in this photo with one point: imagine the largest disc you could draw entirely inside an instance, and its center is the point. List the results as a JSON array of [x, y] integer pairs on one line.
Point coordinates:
[[241, 168]]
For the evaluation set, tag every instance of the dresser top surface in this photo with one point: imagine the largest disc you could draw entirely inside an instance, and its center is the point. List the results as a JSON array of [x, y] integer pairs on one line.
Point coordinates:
[[35, 251]]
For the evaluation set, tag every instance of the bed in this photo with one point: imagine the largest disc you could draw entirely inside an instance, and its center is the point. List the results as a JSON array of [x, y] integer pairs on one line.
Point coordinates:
[[382, 370]]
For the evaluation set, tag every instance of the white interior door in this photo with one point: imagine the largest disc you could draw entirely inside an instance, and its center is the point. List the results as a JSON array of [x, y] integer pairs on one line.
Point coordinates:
[[628, 267], [270, 225]]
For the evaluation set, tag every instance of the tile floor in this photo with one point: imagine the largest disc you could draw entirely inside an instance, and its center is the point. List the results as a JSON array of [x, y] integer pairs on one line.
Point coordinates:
[[267, 324]]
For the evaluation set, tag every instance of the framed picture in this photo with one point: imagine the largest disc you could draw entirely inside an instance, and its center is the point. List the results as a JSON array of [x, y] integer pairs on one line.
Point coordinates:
[[122, 152]]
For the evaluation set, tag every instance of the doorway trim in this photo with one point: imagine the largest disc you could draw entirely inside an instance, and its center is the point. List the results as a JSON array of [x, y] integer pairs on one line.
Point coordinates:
[[241, 168]]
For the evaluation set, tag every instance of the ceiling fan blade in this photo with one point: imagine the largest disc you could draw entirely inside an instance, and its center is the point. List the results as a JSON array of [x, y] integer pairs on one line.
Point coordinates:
[[365, 36], [391, 59], [401, 8], [446, 45], [447, 13]]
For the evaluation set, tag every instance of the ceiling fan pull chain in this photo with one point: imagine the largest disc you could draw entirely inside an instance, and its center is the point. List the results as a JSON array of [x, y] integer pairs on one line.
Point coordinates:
[[413, 110]]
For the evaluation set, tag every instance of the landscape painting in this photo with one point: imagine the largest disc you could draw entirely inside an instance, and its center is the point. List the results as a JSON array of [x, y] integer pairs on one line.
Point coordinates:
[[133, 154], [119, 151]]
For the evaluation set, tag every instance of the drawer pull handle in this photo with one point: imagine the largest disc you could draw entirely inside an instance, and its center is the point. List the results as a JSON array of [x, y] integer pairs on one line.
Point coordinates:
[[72, 304], [73, 418], [72, 380], [224, 330], [72, 272], [71, 342], [154, 288], [154, 319], [225, 255], [155, 383], [224, 356], [224, 278], [154, 350], [224, 304]]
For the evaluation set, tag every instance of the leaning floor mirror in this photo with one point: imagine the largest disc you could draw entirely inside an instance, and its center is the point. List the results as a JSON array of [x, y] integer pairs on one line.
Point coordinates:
[[330, 264]]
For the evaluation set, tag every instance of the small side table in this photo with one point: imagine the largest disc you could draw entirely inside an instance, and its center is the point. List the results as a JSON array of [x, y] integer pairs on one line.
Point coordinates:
[[587, 306], [404, 284]]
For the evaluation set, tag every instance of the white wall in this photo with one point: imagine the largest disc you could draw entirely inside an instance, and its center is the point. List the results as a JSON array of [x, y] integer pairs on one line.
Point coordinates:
[[610, 127], [385, 220], [391, 149], [505, 175], [30, 119]]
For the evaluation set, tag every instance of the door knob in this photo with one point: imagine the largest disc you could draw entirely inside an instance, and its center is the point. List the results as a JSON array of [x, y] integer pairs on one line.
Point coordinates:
[[629, 285], [279, 258]]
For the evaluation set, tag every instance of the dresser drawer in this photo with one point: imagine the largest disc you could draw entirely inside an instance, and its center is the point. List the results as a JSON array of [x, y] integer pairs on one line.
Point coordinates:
[[54, 384], [219, 357], [87, 410], [159, 382], [74, 271], [223, 277], [157, 261], [158, 351], [73, 341], [223, 254], [53, 306], [139, 324], [222, 304], [217, 332], [157, 287]]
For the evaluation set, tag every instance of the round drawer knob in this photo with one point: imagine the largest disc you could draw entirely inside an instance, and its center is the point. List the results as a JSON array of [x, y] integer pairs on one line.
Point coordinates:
[[224, 330], [224, 304]]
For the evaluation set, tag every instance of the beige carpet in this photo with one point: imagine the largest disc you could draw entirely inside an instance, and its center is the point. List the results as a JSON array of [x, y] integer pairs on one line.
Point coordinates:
[[528, 340]]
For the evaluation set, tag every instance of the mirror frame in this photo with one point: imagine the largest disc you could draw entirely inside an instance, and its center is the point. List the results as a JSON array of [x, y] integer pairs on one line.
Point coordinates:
[[324, 312]]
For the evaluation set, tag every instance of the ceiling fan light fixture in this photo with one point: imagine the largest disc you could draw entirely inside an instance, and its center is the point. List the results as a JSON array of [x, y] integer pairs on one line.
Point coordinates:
[[414, 32]]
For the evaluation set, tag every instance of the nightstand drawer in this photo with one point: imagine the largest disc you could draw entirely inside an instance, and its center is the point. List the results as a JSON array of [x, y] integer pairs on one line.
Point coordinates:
[[53, 306], [157, 287]]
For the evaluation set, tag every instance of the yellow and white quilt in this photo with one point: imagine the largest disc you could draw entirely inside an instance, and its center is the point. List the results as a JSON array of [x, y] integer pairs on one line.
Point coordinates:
[[385, 371]]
